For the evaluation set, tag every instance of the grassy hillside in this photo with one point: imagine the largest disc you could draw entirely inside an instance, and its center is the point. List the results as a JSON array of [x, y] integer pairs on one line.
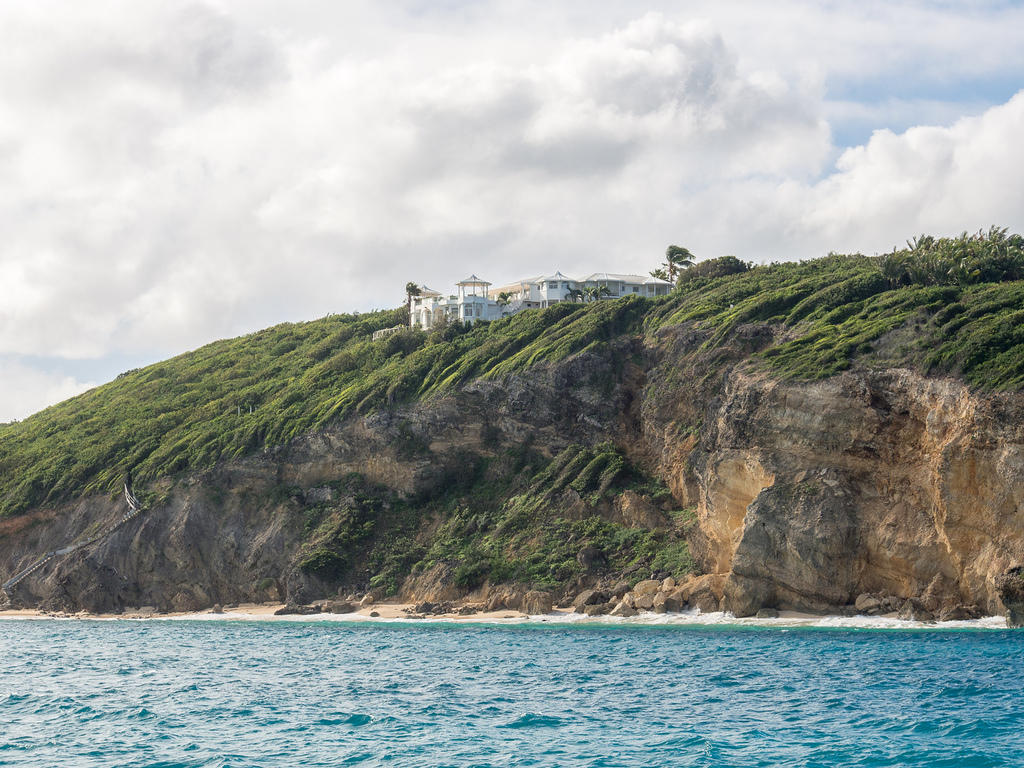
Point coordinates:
[[955, 306]]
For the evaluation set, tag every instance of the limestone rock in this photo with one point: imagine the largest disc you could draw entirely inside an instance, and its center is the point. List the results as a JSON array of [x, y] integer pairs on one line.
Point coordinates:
[[597, 609], [536, 603], [646, 587], [588, 597], [297, 610], [1010, 588], [668, 584], [959, 612], [665, 602], [914, 610], [367, 600], [644, 602], [620, 589], [623, 609], [866, 603], [767, 613]]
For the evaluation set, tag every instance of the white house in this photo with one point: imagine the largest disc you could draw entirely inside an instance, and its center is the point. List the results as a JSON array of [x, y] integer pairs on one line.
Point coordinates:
[[478, 300], [469, 304]]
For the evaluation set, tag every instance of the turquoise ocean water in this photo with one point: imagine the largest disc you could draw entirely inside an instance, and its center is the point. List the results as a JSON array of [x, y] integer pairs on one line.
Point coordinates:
[[282, 693]]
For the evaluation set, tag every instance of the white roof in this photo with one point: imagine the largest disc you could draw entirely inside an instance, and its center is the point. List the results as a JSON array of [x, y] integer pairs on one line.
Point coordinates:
[[472, 280], [424, 291], [641, 279], [556, 276]]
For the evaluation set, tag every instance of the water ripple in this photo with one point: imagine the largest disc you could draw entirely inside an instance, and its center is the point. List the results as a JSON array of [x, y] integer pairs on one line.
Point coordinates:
[[208, 693]]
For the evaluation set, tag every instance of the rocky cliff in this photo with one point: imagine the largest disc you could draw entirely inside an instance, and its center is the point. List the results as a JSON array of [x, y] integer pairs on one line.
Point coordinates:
[[834, 436], [878, 483]]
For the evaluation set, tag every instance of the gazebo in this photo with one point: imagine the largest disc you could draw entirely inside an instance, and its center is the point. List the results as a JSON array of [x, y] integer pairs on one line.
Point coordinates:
[[474, 283]]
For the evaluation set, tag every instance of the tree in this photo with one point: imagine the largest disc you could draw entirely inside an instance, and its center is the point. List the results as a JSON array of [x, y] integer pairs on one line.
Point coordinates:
[[411, 290], [677, 258], [574, 295], [596, 292], [659, 273], [503, 299]]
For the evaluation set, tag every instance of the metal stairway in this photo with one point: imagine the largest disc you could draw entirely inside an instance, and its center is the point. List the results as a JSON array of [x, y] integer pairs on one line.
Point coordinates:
[[134, 509]]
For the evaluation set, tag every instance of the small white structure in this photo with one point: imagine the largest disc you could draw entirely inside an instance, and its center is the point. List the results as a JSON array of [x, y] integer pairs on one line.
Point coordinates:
[[478, 300], [470, 304]]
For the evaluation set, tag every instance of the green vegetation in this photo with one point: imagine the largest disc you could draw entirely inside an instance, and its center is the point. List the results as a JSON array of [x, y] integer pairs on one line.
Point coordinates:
[[944, 306], [530, 526], [502, 519]]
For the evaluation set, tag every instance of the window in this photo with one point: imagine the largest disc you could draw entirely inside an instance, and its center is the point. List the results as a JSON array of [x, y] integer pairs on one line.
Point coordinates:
[[636, 289]]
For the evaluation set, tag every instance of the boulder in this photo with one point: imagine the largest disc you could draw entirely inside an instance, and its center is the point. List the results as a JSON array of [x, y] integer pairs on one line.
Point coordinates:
[[644, 602], [866, 603], [374, 615], [622, 609], [704, 593], [668, 584], [665, 602], [588, 597], [505, 598], [297, 610], [914, 610], [766, 613], [366, 601], [620, 589], [1010, 588], [959, 612], [216, 608], [597, 609], [646, 587], [537, 603]]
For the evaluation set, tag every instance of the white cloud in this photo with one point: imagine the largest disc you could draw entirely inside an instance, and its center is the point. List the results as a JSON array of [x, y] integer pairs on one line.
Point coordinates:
[[25, 389], [171, 174]]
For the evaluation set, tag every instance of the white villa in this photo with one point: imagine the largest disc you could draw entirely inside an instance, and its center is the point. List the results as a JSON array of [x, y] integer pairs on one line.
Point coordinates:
[[476, 299]]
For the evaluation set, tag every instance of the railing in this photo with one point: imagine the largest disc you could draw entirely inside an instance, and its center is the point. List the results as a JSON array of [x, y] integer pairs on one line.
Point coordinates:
[[134, 509], [383, 333]]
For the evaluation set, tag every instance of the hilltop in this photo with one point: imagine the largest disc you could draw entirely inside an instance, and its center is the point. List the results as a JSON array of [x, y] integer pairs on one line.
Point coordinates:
[[550, 449]]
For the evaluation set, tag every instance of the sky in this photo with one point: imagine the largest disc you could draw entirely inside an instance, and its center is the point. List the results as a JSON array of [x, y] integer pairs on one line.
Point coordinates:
[[175, 173]]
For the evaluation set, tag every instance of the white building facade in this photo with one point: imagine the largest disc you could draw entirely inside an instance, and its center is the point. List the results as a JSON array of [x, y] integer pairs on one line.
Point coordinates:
[[476, 299]]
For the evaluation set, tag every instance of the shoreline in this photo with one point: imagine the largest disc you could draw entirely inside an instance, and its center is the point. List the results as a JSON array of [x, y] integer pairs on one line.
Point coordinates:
[[400, 613]]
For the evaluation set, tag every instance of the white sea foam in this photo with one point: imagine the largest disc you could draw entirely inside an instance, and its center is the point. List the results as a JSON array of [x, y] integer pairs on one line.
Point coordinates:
[[686, 618]]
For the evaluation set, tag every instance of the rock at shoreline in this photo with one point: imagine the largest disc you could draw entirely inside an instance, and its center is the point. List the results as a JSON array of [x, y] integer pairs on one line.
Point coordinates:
[[766, 613], [620, 589], [1010, 588], [623, 609], [297, 610], [597, 609], [536, 603], [588, 597], [647, 587], [866, 603]]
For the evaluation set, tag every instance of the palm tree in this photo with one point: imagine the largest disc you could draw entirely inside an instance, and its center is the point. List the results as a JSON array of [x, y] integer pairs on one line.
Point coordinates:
[[574, 295], [677, 258], [411, 290], [659, 273], [503, 298]]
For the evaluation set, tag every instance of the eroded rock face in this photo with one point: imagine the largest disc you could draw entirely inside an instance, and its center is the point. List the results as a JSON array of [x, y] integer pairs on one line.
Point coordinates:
[[808, 495], [1010, 587]]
